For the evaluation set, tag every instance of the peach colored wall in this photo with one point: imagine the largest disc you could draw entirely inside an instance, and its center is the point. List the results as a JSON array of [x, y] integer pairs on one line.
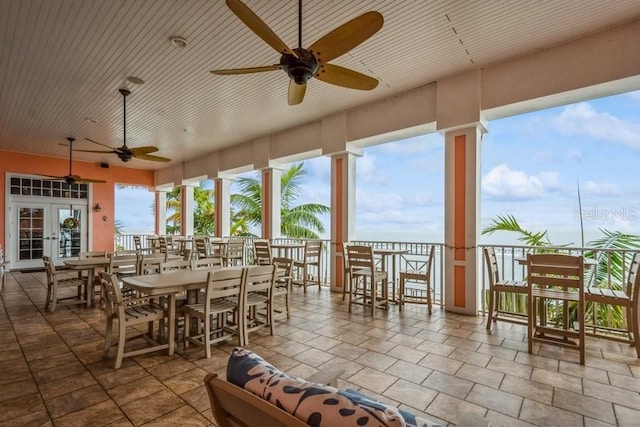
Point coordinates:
[[102, 232]]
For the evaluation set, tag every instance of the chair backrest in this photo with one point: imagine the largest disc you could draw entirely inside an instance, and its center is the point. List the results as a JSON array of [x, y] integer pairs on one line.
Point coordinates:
[[162, 241], [633, 279], [150, 264], [233, 406], [312, 250], [260, 278], [93, 254], [360, 258], [49, 268], [113, 296], [136, 243], [262, 252], [202, 248], [556, 270], [430, 256], [224, 284], [174, 265], [492, 265], [207, 263], [235, 248], [123, 264], [283, 267]]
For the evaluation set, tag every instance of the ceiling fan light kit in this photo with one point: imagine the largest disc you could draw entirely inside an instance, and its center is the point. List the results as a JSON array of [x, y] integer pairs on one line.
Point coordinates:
[[302, 64]]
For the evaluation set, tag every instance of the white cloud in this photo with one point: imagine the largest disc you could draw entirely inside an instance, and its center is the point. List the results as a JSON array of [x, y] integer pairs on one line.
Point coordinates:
[[368, 172], [583, 120], [545, 157], [503, 183], [577, 155], [602, 189]]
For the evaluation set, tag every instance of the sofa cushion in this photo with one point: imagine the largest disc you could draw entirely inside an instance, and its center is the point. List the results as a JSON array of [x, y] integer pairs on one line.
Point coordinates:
[[315, 404], [410, 419]]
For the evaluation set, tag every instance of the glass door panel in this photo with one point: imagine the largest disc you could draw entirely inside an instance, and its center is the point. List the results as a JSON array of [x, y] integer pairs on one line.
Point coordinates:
[[31, 233], [71, 229]]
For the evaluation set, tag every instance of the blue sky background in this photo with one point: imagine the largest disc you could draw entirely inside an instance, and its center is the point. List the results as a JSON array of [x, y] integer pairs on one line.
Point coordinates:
[[530, 165]]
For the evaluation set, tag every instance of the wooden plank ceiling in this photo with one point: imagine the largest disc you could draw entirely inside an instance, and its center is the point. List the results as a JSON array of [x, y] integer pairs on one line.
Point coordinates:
[[62, 62]]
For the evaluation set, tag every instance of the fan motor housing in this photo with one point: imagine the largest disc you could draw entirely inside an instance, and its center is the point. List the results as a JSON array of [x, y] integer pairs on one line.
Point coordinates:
[[299, 69]]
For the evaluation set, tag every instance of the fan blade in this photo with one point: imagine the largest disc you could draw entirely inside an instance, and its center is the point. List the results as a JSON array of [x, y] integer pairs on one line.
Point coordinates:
[[151, 157], [247, 70], [346, 37], [99, 143], [143, 150], [81, 180], [296, 92], [95, 151], [345, 77], [51, 176], [256, 25]]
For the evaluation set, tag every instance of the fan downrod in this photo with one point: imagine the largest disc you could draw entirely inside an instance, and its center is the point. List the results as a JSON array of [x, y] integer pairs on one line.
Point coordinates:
[[302, 68]]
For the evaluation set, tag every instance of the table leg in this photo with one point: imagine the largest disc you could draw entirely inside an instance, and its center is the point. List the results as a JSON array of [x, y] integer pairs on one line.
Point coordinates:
[[172, 323], [90, 285]]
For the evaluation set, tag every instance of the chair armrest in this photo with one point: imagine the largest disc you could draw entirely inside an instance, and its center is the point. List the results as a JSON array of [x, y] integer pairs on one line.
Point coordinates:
[[327, 376]]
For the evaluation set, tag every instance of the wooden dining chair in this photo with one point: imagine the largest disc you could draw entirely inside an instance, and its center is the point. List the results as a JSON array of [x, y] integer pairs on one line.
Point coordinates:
[[308, 269], [201, 247], [207, 263], [174, 265], [261, 252], [234, 252], [627, 298], [283, 283], [556, 289], [365, 279], [421, 294], [150, 264], [257, 295], [346, 273], [57, 280], [129, 313], [499, 288], [216, 314]]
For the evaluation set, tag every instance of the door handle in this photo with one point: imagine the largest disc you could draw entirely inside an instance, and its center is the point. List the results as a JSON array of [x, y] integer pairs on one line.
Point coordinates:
[[47, 238], [54, 238]]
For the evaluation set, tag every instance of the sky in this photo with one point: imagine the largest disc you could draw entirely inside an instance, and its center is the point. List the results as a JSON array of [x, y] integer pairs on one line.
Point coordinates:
[[531, 166]]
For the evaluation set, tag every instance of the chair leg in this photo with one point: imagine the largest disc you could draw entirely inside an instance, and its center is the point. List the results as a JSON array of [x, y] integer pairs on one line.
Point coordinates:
[[490, 319], [187, 329], [429, 296], [581, 323], [288, 300], [207, 336], [121, 341], [634, 328], [47, 303], [401, 293], [107, 335], [530, 324], [54, 299]]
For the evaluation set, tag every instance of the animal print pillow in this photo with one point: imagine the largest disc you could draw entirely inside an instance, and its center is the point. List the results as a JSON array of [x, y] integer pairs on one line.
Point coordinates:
[[315, 404]]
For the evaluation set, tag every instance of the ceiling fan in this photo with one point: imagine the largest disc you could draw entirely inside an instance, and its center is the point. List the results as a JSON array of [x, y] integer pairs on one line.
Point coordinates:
[[125, 153], [71, 178], [302, 64]]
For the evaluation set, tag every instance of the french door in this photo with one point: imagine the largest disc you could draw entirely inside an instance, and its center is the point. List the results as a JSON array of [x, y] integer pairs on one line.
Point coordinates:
[[53, 229]]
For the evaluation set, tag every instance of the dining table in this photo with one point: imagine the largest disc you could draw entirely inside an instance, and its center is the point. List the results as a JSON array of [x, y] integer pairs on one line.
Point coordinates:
[[169, 285], [287, 249], [89, 264], [390, 254]]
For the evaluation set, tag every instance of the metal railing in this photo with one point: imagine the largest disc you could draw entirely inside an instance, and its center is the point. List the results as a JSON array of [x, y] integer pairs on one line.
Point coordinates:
[[510, 262]]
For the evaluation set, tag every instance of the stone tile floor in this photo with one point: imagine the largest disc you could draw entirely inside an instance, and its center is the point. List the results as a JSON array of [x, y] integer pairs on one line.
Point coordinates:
[[53, 372]]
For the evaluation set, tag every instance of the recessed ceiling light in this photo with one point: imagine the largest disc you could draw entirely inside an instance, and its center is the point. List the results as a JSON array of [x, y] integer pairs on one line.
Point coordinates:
[[178, 41], [135, 80]]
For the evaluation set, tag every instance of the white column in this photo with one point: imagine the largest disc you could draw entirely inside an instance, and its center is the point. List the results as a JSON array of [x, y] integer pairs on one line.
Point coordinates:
[[222, 207], [271, 202], [343, 197], [186, 210], [161, 212], [462, 219]]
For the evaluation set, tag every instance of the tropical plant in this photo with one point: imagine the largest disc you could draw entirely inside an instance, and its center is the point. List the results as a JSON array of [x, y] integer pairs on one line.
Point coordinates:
[[296, 221], [510, 224]]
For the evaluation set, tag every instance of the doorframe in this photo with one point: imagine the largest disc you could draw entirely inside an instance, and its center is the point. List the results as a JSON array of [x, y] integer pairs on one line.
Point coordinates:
[[10, 199]]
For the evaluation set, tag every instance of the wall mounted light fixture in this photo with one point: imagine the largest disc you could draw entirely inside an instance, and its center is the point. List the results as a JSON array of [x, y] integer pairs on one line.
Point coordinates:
[[97, 207]]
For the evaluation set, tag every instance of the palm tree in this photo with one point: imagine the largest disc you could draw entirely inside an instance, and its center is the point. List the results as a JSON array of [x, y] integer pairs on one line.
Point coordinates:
[[297, 221]]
